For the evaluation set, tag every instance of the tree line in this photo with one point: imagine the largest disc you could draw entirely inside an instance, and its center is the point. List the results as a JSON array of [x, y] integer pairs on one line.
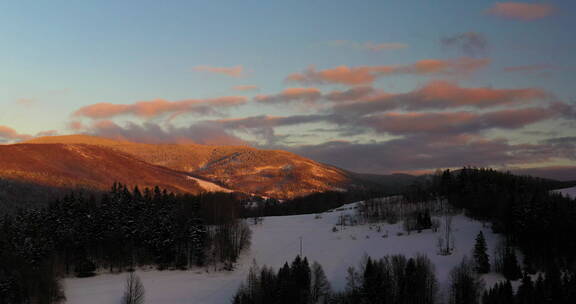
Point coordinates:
[[309, 204], [534, 219], [119, 231]]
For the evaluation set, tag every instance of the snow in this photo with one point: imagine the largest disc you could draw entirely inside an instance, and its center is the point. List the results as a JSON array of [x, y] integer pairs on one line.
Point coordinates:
[[209, 186], [571, 192], [276, 241]]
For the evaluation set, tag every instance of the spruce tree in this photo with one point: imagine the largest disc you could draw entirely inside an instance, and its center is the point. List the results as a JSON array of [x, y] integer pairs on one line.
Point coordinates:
[[511, 270], [481, 259], [525, 294]]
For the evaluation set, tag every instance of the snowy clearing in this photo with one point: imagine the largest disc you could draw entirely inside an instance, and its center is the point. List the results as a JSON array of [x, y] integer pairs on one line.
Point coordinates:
[[276, 241], [571, 192], [209, 186]]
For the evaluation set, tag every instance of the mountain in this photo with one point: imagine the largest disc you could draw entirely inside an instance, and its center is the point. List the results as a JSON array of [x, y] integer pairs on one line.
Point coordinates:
[[271, 173], [86, 166]]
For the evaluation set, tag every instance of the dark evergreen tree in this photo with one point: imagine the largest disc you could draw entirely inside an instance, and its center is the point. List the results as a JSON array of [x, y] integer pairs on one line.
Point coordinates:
[[525, 293], [481, 259], [510, 268]]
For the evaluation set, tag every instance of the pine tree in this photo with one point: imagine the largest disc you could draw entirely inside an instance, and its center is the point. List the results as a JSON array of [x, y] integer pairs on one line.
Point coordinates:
[[481, 259], [511, 270], [525, 294]]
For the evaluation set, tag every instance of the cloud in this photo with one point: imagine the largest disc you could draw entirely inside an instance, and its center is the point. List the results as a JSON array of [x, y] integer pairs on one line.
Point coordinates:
[[564, 173], [440, 95], [235, 71], [522, 11], [365, 75], [246, 88], [25, 101], [308, 95], [268, 121], [352, 94], [47, 133], [8, 134], [370, 46], [263, 126], [455, 122], [529, 68], [157, 107], [199, 133], [470, 43], [424, 153]]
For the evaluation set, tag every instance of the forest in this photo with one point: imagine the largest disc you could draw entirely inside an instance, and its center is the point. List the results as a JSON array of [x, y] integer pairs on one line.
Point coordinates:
[[397, 279], [122, 230]]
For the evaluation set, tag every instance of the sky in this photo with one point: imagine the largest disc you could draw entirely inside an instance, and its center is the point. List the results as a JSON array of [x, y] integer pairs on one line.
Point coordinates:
[[369, 86]]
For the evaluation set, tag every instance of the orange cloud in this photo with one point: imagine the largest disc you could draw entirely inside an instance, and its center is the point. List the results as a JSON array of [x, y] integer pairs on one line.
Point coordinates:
[[439, 95], [522, 11], [157, 107], [235, 71], [365, 75], [246, 88], [25, 101], [9, 134], [308, 95]]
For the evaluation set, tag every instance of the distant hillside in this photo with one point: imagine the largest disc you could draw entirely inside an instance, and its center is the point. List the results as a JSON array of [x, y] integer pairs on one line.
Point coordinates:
[[272, 173], [85, 166]]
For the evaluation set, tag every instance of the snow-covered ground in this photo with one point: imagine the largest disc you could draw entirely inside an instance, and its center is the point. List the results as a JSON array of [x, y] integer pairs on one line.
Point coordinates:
[[209, 186], [571, 192], [276, 241]]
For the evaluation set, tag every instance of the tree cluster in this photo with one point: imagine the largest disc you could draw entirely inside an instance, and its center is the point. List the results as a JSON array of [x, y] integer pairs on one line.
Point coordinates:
[[392, 279], [554, 287], [538, 221], [119, 231]]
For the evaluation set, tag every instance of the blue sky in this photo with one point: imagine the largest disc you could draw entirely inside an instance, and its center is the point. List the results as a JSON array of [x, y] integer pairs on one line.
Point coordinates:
[[61, 56]]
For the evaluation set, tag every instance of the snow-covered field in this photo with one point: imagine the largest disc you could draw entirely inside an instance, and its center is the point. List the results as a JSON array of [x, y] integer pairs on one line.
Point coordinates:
[[276, 241], [571, 192]]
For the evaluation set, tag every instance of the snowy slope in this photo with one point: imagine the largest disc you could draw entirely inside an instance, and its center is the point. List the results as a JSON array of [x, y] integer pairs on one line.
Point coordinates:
[[571, 192], [277, 240], [209, 186]]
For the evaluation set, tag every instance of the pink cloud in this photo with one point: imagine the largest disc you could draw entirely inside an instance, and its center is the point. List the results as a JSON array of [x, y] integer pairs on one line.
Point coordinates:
[[440, 95], [522, 11], [25, 101], [365, 75], [157, 107], [235, 71], [246, 88], [308, 95], [9, 134]]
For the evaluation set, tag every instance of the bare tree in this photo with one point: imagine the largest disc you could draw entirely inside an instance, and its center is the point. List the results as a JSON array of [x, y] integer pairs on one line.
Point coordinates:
[[446, 243], [320, 287], [134, 292]]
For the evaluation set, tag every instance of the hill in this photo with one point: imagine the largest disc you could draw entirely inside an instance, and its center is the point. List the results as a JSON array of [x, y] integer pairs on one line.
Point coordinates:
[[271, 173], [70, 166]]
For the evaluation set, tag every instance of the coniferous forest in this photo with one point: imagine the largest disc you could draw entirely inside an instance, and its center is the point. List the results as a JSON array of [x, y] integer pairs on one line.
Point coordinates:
[[122, 230]]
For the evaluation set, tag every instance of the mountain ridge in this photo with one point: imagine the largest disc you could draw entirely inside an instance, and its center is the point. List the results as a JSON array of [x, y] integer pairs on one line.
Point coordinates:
[[272, 173]]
